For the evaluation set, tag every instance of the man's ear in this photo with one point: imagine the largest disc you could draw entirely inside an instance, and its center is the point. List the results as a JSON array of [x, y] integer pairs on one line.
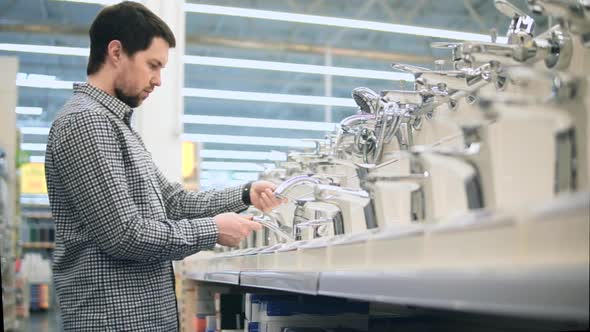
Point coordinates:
[[115, 52]]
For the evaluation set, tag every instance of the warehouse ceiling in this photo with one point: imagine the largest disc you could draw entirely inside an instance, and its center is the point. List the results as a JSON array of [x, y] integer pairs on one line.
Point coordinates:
[[65, 23]]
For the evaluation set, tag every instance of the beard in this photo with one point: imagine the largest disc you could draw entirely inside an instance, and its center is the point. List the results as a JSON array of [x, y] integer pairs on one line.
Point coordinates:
[[131, 101]]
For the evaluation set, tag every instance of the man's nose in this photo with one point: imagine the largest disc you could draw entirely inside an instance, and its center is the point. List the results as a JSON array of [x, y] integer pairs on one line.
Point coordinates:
[[156, 80]]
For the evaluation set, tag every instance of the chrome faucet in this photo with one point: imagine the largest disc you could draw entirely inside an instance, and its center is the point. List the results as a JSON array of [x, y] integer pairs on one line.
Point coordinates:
[[560, 92], [421, 196], [367, 100], [571, 14], [271, 222], [363, 135], [554, 47], [288, 185], [466, 79], [478, 187]]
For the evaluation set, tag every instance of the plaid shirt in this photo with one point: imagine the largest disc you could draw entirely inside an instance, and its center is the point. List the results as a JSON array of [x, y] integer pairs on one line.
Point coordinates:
[[119, 223]]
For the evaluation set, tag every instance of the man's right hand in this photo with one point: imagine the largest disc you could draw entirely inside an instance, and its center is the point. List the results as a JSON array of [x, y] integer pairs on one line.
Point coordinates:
[[233, 228]]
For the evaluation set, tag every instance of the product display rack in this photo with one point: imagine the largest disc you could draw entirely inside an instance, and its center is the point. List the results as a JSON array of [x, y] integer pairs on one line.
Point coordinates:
[[531, 285]]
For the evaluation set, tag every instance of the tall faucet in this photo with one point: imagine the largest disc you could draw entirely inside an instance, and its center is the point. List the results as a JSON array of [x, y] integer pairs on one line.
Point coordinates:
[[414, 106], [371, 129], [558, 92], [332, 195], [554, 47], [421, 197], [478, 186], [571, 14], [319, 193]]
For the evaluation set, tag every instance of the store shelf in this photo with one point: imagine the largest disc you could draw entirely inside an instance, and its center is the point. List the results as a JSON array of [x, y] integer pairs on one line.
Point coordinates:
[[38, 245], [553, 292], [536, 267], [226, 277], [298, 282], [545, 292]]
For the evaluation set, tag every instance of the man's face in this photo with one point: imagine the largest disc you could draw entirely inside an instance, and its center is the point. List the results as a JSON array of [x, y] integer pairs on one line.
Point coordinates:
[[140, 73]]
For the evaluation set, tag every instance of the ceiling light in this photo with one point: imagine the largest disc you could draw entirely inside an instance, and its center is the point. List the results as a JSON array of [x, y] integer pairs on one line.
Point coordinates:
[[237, 166], [260, 123], [33, 147], [297, 68], [245, 155], [45, 49], [29, 110], [230, 63], [268, 97], [34, 130], [248, 140], [338, 22]]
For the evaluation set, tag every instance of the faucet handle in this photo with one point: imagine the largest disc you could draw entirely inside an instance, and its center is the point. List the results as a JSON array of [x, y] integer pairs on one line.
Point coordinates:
[[408, 68], [571, 14], [272, 225], [521, 27], [315, 222], [326, 193]]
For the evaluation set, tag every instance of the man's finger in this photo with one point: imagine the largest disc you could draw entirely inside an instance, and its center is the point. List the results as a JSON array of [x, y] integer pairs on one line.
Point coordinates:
[[252, 225], [265, 202]]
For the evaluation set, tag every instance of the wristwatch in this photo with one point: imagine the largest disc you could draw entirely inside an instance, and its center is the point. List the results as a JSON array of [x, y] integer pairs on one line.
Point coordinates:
[[246, 194]]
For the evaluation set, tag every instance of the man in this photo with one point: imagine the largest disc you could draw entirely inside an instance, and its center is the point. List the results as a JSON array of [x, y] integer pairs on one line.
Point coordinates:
[[119, 222]]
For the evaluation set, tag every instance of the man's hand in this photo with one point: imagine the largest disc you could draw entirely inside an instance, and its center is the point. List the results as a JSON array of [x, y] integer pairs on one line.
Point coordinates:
[[262, 196], [233, 228]]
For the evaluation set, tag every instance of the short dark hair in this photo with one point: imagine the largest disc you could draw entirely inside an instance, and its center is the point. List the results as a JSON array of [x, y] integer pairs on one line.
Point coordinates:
[[131, 23]]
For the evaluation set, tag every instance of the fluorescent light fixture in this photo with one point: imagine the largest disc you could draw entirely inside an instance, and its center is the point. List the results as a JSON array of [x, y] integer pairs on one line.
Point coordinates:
[[42, 81], [229, 62], [268, 97], [247, 140], [34, 130], [29, 110], [40, 77], [245, 155], [296, 68], [45, 49], [228, 175], [337, 22], [37, 159], [323, 20], [35, 199], [215, 94], [33, 147], [209, 154], [238, 166], [50, 82], [260, 123]]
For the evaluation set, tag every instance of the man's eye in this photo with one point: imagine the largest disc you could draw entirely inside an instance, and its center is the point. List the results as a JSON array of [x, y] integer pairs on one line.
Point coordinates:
[[153, 66]]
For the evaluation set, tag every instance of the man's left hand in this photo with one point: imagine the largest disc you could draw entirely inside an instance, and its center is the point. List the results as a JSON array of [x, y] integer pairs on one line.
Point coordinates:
[[262, 196]]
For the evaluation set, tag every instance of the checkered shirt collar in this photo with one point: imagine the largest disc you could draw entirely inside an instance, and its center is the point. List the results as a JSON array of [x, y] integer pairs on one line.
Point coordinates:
[[112, 103]]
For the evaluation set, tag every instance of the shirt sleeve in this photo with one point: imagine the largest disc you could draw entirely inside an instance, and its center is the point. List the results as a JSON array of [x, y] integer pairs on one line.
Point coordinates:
[[184, 204], [90, 165]]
